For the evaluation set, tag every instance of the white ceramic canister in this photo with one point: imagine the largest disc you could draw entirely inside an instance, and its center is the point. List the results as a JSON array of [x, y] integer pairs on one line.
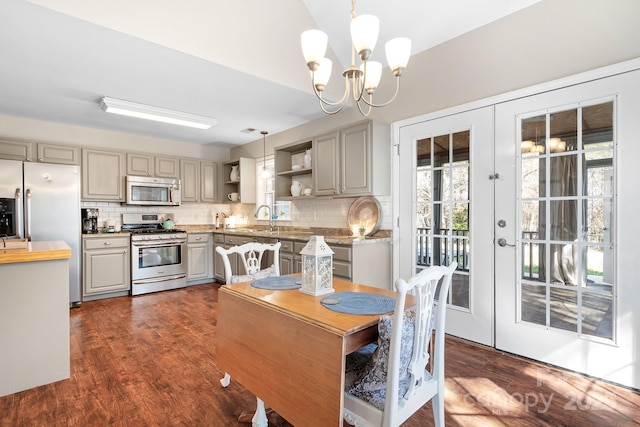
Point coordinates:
[[296, 188]]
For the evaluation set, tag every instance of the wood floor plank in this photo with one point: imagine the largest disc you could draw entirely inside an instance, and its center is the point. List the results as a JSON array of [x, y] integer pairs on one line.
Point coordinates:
[[150, 360]]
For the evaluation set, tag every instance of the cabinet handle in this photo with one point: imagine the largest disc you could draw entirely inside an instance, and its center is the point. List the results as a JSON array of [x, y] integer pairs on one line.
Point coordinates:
[[107, 243], [198, 238]]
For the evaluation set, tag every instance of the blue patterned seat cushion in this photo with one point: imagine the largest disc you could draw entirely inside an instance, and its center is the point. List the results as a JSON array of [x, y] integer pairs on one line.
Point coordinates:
[[366, 373]]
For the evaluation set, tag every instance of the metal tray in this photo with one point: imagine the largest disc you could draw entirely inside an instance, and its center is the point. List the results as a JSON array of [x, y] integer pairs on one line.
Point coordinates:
[[365, 212]]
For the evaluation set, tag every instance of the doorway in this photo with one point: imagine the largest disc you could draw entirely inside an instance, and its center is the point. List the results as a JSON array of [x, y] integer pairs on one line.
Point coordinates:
[[526, 195]]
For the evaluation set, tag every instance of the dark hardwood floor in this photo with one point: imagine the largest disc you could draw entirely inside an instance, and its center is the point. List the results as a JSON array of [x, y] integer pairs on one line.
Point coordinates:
[[150, 360]]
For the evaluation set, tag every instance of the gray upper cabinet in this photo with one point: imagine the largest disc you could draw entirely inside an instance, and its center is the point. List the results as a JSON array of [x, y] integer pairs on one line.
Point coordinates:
[[167, 167], [13, 149], [190, 180], [354, 161], [326, 165], [208, 182], [140, 164], [61, 154], [103, 175]]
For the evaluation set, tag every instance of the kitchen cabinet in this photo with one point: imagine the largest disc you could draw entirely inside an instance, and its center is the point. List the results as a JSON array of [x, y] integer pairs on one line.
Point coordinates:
[[218, 265], [289, 167], [208, 182], [14, 149], [166, 167], [326, 163], [244, 185], [106, 266], [199, 256], [142, 164], [60, 154], [345, 161], [190, 180], [352, 161], [286, 257], [103, 175], [198, 181]]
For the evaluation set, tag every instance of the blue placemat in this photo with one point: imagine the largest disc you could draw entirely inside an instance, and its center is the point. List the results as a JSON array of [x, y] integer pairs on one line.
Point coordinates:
[[359, 303], [277, 283]]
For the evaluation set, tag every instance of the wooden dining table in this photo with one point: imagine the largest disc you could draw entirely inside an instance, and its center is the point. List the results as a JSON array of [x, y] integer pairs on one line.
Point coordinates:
[[289, 350]]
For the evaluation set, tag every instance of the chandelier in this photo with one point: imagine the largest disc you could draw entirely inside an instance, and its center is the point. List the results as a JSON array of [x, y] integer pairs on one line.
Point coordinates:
[[361, 81]]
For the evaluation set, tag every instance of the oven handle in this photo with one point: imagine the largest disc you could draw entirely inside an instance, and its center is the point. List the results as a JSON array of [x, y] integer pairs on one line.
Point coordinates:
[[157, 243], [159, 279]]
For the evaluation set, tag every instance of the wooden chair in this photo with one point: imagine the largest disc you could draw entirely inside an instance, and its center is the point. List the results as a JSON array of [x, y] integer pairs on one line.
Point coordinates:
[[250, 256], [387, 387]]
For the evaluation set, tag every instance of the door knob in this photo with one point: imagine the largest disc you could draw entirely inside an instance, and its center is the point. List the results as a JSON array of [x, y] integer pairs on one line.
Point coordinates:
[[502, 242]]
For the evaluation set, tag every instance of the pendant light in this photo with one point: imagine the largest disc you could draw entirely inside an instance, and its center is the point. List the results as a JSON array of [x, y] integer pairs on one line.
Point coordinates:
[[265, 174]]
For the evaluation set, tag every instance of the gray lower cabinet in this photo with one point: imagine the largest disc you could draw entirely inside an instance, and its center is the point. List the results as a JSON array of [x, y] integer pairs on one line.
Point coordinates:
[[106, 266], [199, 256], [218, 266]]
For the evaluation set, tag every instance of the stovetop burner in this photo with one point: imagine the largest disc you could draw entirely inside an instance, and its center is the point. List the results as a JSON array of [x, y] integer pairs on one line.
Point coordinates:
[[152, 230], [147, 223]]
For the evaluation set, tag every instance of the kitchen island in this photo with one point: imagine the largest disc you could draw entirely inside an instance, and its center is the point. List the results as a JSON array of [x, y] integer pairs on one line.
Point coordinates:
[[34, 315]]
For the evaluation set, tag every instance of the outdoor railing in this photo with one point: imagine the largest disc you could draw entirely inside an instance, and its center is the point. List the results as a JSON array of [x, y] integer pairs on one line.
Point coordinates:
[[444, 254]]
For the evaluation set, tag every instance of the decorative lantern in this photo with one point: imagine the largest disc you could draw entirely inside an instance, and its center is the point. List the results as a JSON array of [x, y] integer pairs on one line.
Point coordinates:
[[317, 267]]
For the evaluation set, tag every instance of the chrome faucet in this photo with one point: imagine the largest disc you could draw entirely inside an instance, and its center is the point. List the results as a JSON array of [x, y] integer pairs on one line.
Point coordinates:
[[270, 216]]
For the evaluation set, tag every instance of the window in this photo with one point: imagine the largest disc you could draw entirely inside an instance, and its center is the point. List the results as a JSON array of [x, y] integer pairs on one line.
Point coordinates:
[[265, 193]]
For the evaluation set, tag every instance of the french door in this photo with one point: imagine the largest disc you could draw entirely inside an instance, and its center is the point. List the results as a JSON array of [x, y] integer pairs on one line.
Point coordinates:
[[567, 161], [537, 200], [444, 179]]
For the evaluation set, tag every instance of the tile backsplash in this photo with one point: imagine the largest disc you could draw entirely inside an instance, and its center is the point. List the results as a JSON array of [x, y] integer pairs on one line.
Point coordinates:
[[320, 212]]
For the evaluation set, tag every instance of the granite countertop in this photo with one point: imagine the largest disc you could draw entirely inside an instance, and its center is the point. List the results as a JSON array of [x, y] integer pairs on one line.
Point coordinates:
[[37, 251], [331, 235], [114, 234]]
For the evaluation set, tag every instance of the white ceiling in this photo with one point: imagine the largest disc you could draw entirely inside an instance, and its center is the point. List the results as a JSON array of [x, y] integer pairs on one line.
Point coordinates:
[[237, 61]]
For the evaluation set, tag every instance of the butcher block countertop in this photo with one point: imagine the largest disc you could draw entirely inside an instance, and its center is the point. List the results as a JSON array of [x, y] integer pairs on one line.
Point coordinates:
[[36, 251]]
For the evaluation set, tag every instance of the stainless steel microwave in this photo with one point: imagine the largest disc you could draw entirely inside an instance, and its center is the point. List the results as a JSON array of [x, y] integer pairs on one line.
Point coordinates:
[[142, 190]]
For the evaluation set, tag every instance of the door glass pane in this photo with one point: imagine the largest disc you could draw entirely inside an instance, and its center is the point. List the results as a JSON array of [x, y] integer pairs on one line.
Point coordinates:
[[566, 217], [443, 206]]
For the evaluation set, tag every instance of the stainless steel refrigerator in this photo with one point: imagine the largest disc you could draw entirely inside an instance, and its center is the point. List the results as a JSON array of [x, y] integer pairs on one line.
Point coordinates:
[[43, 203]]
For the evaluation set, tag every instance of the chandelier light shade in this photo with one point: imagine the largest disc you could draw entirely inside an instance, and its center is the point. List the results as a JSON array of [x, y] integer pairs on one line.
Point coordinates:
[[148, 112], [360, 81]]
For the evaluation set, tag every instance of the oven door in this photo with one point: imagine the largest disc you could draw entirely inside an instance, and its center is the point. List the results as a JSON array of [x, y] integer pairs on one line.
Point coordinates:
[[157, 260]]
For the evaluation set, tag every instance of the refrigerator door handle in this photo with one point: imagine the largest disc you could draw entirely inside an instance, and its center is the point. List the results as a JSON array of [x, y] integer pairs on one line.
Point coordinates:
[[27, 225], [19, 214]]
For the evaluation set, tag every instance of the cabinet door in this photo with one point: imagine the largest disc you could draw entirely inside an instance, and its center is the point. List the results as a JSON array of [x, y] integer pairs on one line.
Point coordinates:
[[106, 271], [139, 164], [286, 264], [11, 149], [190, 180], [218, 265], [167, 167], [102, 175], [61, 154], [325, 165], [208, 182], [355, 160], [198, 254]]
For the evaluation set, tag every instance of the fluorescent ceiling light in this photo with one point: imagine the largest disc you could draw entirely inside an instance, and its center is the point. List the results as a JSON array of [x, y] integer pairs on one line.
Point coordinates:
[[141, 111]]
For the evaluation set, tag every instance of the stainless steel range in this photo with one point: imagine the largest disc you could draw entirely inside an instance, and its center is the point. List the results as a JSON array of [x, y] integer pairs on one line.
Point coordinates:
[[158, 255]]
